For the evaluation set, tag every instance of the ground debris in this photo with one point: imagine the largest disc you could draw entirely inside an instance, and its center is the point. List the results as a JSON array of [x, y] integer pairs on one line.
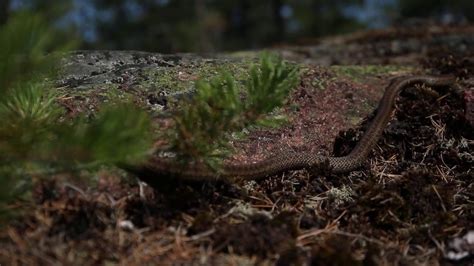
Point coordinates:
[[412, 203]]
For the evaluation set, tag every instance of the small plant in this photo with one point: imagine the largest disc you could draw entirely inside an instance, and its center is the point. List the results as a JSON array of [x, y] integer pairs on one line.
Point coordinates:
[[202, 127], [35, 140]]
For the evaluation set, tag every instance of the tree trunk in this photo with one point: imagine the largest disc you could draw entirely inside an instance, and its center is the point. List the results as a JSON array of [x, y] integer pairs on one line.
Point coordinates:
[[279, 21], [4, 11], [204, 45]]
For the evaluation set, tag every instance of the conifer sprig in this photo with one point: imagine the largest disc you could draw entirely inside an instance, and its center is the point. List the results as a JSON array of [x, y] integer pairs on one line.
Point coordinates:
[[24, 42], [202, 127], [31, 130], [200, 124], [34, 137], [119, 133], [269, 85]]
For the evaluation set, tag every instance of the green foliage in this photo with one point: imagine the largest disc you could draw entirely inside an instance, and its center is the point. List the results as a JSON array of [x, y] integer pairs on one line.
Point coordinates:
[[269, 85], [31, 103], [32, 132], [200, 124], [27, 113], [220, 107], [35, 138], [24, 40], [26, 105], [29, 110], [118, 134]]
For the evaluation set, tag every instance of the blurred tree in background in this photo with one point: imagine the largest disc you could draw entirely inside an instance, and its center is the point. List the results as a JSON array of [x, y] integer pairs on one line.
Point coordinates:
[[4, 11], [441, 9], [51, 10], [212, 25]]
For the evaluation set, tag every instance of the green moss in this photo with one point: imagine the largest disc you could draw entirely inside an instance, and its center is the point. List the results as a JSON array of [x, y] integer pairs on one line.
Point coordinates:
[[93, 98], [182, 78], [251, 55], [167, 79], [355, 117], [274, 120], [112, 94], [357, 73], [239, 70]]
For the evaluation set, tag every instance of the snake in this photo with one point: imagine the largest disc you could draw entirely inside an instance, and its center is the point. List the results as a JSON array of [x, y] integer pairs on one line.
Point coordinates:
[[158, 166]]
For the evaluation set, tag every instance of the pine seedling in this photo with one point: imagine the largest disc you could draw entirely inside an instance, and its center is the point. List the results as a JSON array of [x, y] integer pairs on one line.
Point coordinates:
[[24, 42], [35, 140], [269, 85], [31, 131], [118, 134], [27, 112], [202, 127], [27, 105]]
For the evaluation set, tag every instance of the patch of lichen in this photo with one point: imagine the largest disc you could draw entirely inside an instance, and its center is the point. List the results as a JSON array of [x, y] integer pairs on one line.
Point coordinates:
[[359, 72], [274, 120], [88, 101], [112, 94], [182, 78], [353, 115], [250, 55]]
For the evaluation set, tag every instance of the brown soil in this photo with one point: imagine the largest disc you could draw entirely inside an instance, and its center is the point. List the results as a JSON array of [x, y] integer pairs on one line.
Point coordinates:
[[403, 207]]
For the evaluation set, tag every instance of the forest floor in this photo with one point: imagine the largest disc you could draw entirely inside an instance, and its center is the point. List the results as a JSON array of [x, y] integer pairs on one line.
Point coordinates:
[[411, 203]]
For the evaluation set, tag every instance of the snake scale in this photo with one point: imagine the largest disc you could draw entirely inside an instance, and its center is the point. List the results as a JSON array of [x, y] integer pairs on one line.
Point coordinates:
[[157, 166]]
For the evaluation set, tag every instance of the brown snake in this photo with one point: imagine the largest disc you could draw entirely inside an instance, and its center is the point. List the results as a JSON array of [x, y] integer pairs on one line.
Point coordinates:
[[157, 167]]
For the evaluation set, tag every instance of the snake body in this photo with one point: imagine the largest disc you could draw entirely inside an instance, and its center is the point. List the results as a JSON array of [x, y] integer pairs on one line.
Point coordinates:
[[157, 166]]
